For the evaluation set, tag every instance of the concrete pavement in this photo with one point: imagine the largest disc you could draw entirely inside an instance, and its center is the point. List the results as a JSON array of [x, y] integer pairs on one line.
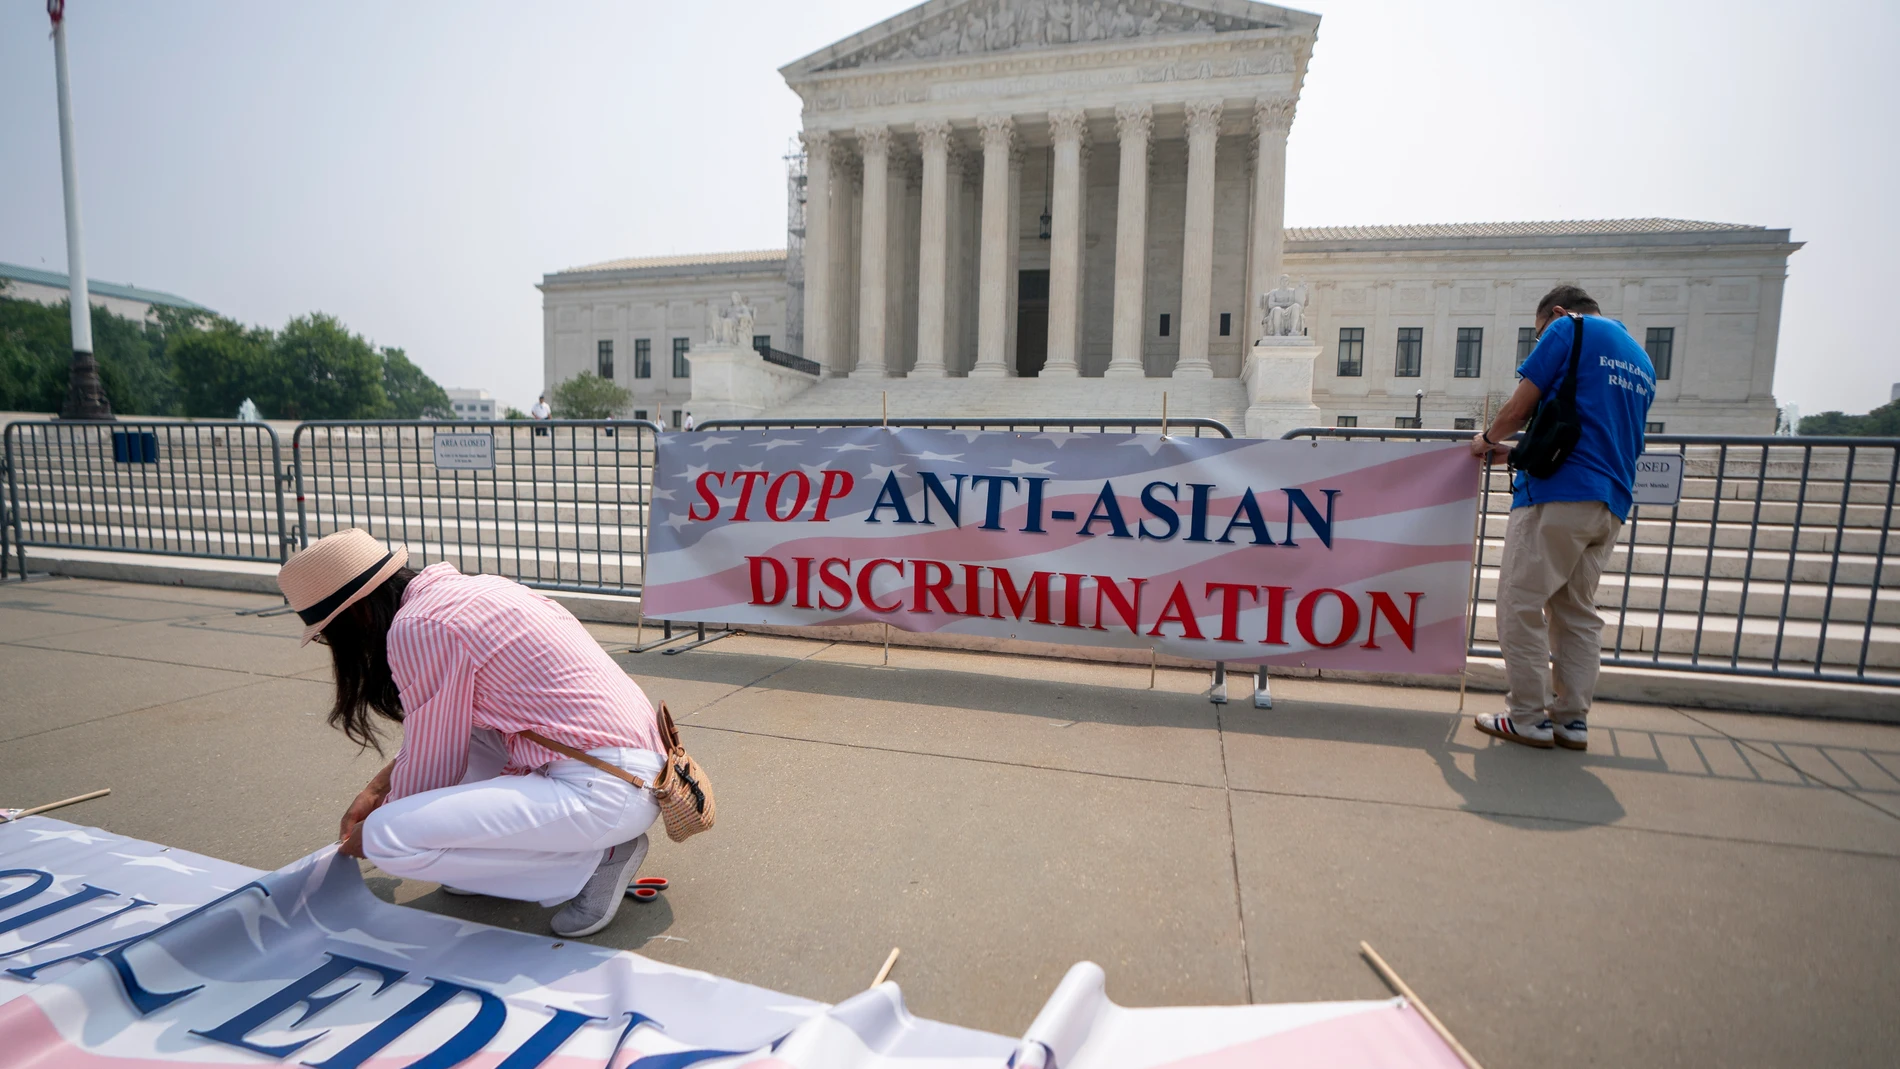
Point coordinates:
[[1700, 888]]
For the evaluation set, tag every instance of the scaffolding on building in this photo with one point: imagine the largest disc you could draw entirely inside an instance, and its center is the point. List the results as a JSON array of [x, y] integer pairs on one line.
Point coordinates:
[[795, 246]]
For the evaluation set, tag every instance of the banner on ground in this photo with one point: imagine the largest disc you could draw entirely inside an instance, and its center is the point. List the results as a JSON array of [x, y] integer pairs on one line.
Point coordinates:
[[121, 954], [1322, 554]]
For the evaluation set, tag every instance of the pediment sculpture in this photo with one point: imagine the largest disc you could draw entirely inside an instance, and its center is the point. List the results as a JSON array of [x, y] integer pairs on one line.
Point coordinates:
[[1001, 25]]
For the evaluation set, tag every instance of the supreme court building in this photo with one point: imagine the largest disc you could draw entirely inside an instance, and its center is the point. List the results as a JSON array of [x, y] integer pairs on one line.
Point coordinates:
[[1041, 207]]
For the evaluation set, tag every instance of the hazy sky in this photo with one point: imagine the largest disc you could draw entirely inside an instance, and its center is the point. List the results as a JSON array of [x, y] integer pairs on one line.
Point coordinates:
[[415, 168]]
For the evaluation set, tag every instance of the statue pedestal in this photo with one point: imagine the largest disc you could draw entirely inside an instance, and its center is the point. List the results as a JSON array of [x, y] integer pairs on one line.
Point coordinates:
[[735, 382], [1279, 377]]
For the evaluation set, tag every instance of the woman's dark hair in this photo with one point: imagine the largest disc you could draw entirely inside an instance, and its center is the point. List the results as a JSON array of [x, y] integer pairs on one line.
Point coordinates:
[[359, 647]]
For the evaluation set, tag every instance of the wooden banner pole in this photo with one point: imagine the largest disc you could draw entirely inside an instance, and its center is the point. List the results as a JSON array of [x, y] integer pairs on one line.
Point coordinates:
[[1405, 991]]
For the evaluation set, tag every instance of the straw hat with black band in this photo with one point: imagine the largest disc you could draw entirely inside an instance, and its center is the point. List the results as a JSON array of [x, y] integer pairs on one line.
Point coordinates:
[[334, 573]]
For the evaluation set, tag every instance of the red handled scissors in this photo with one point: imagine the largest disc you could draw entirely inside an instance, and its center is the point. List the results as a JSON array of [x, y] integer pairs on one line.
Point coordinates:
[[646, 888]]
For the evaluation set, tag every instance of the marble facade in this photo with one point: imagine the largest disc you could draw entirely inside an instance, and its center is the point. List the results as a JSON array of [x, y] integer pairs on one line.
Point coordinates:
[[1003, 190]]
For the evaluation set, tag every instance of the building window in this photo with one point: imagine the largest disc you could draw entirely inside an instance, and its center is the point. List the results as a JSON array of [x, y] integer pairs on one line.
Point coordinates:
[[642, 358], [1470, 358], [1411, 345], [1164, 324], [1660, 343], [1465, 424], [639, 413], [1352, 352], [676, 419], [1345, 421], [1408, 423], [681, 367], [604, 362], [761, 342], [1526, 341], [1226, 324], [1652, 428]]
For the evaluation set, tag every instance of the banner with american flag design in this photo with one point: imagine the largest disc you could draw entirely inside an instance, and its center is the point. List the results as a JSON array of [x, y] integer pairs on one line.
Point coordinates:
[[1319, 554]]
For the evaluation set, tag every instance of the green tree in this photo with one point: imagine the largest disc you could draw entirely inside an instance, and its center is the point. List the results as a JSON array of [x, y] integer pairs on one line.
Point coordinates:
[[319, 370], [588, 396], [219, 363], [36, 351], [1882, 422], [412, 393], [514, 413]]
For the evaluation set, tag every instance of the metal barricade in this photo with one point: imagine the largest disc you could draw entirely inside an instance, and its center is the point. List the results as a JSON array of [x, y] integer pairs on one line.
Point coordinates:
[[1106, 425], [1774, 563], [555, 504], [144, 486]]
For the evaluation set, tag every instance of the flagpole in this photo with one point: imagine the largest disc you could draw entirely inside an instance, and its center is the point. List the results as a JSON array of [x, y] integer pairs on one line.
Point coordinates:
[[85, 396]]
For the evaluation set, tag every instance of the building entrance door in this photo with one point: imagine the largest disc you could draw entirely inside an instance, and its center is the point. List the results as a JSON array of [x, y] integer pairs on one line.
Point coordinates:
[[1032, 323]]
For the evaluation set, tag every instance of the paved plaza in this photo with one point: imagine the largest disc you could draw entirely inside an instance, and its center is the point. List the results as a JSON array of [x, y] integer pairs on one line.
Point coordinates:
[[1701, 888]]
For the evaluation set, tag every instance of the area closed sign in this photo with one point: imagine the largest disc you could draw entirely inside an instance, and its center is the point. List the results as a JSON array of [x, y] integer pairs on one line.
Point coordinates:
[[465, 452], [1658, 479]]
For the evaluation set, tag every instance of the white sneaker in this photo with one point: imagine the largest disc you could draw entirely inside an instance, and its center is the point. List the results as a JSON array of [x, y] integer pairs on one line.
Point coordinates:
[[600, 898], [1502, 726], [1572, 734]]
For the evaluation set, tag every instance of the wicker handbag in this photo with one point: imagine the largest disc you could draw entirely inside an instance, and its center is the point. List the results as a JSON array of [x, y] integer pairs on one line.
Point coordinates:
[[683, 792]]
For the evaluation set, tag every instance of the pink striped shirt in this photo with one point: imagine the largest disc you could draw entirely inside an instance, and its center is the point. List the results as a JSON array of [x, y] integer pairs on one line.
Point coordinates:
[[480, 651]]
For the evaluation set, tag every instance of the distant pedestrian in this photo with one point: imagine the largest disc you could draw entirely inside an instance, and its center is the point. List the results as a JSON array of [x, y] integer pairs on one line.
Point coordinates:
[[1563, 527], [540, 411], [687, 423]]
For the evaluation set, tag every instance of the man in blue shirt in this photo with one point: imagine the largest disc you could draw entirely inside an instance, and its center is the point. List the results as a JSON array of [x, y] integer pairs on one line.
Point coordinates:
[[1563, 528]]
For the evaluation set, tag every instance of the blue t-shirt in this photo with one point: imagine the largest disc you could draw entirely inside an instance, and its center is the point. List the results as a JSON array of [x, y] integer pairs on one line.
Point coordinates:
[[1615, 384]]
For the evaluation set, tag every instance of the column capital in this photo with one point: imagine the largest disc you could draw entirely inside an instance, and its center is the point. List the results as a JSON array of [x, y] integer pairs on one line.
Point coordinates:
[[1274, 114], [998, 131], [1067, 124], [933, 135], [1134, 121], [1203, 117], [816, 141], [874, 140]]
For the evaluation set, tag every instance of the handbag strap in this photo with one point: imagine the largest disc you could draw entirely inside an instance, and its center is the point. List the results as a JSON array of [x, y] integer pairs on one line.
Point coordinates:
[[1569, 388], [582, 756]]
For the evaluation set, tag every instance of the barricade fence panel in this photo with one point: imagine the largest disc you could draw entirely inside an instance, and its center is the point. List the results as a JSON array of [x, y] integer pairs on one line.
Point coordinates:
[[555, 504], [145, 486], [1196, 426], [1779, 559]]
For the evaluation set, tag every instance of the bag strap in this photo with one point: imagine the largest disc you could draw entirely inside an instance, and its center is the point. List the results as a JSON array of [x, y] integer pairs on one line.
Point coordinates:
[[582, 756], [1569, 388], [669, 734]]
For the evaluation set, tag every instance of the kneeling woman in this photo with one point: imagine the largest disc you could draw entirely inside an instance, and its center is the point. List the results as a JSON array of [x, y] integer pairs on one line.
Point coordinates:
[[490, 682]]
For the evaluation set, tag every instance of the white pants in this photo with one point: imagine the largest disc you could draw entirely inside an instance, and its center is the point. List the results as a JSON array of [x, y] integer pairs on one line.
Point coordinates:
[[536, 837]]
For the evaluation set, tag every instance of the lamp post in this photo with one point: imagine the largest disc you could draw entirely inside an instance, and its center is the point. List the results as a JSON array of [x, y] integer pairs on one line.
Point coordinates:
[[85, 397], [1418, 409]]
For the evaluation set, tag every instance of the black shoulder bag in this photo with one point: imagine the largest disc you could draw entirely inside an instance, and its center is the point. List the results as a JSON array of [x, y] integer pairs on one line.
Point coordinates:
[[1554, 430]]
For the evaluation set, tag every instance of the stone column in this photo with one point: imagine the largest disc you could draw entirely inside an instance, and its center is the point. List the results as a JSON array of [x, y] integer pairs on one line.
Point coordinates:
[[818, 278], [874, 144], [1012, 267], [933, 138], [1066, 127], [955, 222], [1273, 117], [847, 179], [1132, 126], [1197, 247], [992, 316]]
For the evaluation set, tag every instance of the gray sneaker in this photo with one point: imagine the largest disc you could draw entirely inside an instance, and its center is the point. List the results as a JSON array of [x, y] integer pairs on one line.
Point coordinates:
[[600, 898]]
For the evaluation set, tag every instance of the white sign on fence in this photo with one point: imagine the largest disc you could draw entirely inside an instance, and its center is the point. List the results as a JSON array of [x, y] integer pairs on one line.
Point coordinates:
[[1658, 479], [465, 452]]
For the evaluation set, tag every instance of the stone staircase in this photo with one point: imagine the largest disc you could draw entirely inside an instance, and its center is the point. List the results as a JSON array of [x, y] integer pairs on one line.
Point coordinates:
[[1041, 398]]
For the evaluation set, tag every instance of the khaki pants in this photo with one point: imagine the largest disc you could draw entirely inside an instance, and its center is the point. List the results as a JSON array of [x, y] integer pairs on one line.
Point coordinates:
[[1553, 556]]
